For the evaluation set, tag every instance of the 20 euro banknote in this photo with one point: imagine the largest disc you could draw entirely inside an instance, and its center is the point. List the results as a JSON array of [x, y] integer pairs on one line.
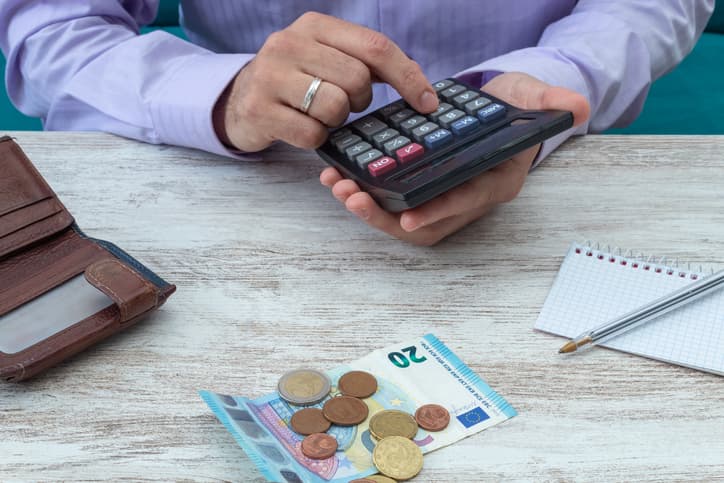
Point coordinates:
[[409, 375]]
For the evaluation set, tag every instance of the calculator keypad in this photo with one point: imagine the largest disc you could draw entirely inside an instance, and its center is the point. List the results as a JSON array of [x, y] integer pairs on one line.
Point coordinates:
[[395, 135]]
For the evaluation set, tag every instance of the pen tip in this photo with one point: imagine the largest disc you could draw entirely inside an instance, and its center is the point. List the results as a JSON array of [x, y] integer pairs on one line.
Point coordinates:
[[570, 346]]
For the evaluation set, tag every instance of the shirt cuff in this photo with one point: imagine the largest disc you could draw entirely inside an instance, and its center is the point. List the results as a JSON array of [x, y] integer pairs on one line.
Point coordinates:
[[547, 65], [182, 112]]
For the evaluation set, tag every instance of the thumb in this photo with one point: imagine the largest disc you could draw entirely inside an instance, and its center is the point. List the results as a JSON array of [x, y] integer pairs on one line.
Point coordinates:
[[527, 92]]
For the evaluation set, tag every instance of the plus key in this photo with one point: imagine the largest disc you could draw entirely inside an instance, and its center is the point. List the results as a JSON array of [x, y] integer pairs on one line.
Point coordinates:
[[409, 153]]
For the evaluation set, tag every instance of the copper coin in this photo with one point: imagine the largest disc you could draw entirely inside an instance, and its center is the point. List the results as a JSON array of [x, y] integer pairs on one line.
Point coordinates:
[[309, 420], [345, 410], [357, 384], [319, 446], [432, 417]]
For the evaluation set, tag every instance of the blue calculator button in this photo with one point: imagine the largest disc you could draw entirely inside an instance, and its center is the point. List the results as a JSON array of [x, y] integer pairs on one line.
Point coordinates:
[[465, 125], [438, 139], [491, 112]]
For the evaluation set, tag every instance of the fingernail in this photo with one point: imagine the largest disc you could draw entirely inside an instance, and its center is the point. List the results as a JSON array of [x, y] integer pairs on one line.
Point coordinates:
[[428, 101], [408, 225], [362, 213]]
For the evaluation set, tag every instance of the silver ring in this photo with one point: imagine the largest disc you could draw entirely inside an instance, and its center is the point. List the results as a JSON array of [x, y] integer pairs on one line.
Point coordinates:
[[309, 96]]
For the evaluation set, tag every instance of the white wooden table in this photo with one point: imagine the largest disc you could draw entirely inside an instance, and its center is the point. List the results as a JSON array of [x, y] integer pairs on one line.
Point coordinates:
[[273, 273]]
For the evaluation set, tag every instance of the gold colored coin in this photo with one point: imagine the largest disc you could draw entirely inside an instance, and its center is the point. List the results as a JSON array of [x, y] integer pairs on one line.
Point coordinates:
[[303, 387], [397, 457], [391, 422], [381, 479]]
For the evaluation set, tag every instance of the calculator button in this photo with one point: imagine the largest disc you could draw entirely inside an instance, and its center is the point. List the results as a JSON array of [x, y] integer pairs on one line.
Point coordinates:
[[438, 139], [410, 153], [337, 135], [491, 113], [368, 126], [381, 138], [419, 133], [441, 109], [464, 98], [364, 159], [464, 126], [392, 146], [381, 166], [443, 84], [347, 141], [473, 106], [450, 117], [410, 124], [357, 149], [401, 116], [391, 109], [449, 93]]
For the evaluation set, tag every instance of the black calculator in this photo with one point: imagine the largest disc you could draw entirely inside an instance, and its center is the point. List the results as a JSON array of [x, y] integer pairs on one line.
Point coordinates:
[[404, 158]]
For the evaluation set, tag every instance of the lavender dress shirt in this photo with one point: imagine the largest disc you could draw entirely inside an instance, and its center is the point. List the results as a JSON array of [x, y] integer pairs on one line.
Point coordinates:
[[82, 65]]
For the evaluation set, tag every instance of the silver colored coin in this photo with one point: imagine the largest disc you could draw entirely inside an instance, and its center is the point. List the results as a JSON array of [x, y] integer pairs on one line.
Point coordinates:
[[304, 387]]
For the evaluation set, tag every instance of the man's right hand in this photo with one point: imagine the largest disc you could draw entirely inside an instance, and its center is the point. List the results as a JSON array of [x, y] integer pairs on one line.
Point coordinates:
[[262, 104]]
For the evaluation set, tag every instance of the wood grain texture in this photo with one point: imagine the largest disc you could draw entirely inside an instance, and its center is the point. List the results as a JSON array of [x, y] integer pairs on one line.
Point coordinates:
[[273, 273]]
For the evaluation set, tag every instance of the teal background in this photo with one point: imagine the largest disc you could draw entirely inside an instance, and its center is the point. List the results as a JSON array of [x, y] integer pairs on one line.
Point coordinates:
[[688, 100]]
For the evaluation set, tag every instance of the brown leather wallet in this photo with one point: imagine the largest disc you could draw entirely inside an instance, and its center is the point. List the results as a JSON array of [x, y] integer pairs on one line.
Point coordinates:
[[42, 248]]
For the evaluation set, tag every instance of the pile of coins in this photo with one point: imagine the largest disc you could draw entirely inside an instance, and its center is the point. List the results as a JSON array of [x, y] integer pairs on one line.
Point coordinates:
[[395, 454]]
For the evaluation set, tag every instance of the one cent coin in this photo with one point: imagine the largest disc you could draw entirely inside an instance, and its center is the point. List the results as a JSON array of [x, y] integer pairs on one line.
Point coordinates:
[[432, 417], [319, 446], [391, 422], [397, 457], [304, 387], [345, 410], [357, 384], [309, 421], [380, 479]]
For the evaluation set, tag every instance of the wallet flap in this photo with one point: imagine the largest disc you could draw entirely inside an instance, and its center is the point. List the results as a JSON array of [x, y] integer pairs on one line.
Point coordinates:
[[29, 209], [132, 293]]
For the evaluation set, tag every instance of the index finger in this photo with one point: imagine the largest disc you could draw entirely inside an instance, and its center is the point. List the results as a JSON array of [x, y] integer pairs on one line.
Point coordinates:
[[384, 58]]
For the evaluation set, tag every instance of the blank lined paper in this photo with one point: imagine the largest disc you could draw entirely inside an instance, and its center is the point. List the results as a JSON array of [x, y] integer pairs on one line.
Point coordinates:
[[594, 286]]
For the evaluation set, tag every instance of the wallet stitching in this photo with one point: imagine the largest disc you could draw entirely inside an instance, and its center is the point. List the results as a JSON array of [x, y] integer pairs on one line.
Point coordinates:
[[122, 306]]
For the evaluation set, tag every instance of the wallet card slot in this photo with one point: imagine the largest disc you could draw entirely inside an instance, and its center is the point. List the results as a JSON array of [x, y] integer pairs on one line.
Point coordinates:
[[27, 215], [26, 275], [20, 183]]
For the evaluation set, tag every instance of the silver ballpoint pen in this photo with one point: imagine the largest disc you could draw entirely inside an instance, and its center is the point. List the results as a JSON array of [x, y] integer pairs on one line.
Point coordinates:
[[645, 313]]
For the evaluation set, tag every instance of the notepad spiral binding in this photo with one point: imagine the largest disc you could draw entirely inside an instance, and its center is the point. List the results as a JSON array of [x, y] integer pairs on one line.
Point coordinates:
[[639, 261]]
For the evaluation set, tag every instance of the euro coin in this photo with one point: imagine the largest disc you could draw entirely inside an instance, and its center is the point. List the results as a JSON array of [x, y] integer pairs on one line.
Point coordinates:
[[397, 457], [357, 384], [391, 422], [304, 387], [309, 421], [345, 410], [362, 480], [432, 417], [381, 479], [319, 446]]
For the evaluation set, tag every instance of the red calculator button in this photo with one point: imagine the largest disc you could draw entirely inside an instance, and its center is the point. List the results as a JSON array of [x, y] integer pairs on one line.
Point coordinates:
[[409, 153], [381, 166]]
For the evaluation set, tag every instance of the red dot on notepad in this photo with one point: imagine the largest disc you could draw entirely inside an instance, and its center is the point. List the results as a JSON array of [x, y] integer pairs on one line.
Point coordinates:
[[611, 259], [658, 270], [694, 277], [669, 272], [635, 265], [588, 254], [600, 257], [578, 250], [646, 267], [623, 262]]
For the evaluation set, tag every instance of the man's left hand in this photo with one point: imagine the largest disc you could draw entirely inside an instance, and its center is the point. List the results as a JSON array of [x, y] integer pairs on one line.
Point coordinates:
[[430, 222]]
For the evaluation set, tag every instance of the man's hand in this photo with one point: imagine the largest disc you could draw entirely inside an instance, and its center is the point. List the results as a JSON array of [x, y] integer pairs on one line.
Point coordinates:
[[262, 104], [431, 222]]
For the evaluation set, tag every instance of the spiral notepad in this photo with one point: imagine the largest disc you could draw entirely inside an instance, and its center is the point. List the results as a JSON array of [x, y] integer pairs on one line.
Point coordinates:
[[595, 285]]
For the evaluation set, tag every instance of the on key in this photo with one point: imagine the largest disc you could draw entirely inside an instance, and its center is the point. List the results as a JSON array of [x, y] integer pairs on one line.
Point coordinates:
[[410, 153], [381, 166]]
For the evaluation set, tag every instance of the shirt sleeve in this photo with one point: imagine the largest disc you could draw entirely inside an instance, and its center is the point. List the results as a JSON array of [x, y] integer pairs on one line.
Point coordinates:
[[82, 65], [609, 51]]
